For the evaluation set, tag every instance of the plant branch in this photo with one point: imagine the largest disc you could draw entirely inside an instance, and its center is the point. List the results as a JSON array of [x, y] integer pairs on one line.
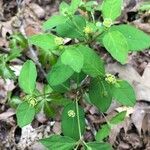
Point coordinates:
[[78, 120]]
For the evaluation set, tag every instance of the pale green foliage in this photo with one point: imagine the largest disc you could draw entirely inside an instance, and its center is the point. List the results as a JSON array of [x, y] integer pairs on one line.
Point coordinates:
[[44, 41], [93, 65], [124, 93], [111, 8], [27, 77], [98, 146], [116, 45], [54, 21], [100, 94], [59, 74], [72, 28], [25, 114], [73, 58], [136, 39], [106, 129], [70, 123], [57, 142]]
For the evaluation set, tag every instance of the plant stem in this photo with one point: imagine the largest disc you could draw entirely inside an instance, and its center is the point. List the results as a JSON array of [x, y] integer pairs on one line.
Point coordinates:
[[43, 95], [78, 143], [93, 18], [85, 144], [78, 120]]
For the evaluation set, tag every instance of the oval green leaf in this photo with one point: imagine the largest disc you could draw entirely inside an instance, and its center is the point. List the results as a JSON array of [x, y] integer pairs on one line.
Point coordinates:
[[137, 39], [111, 8], [98, 146], [27, 77], [124, 93], [73, 58], [100, 95], [116, 44], [59, 74], [70, 122], [57, 142], [25, 114]]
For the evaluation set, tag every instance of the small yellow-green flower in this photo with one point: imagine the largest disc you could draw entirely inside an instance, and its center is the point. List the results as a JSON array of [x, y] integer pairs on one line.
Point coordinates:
[[59, 41], [71, 113], [88, 30], [107, 22], [105, 93], [31, 100], [110, 79]]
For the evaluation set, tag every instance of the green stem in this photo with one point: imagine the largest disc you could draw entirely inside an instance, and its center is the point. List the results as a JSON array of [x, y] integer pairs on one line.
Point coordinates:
[[42, 95], [93, 18], [107, 121], [86, 145], [78, 120], [78, 143]]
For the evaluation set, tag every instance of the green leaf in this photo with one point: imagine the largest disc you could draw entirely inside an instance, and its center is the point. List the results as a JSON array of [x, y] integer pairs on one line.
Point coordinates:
[[116, 44], [100, 94], [14, 102], [90, 6], [70, 122], [59, 74], [124, 93], [103, 132], [145, 6], [54, 21], [14, 53], [98, 146], [106, 129], [118, 118], [57, 142], [111, 8], [47, 58], [73, 58], [136, 39], [64, 9], [87, 98], [44, 41], [48, 109], [63, 87], [25, 114], [78, 77], [74, 5], [72, 28], [93, 65], [27, 77], [6, 72], [61, 101]]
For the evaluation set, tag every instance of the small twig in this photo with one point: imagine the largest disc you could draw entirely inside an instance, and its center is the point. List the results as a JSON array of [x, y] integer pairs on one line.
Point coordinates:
[[19, 4], [78, 119]]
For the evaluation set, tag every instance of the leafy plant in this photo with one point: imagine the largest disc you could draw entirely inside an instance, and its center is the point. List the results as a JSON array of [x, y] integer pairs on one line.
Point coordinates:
[[76, 69]]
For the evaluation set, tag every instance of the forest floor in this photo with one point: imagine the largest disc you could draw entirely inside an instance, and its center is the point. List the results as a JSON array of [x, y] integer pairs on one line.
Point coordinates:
[[27, 16]]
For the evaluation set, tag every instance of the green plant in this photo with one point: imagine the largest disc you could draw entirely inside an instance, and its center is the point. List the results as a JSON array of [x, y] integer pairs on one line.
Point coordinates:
[[77, 73]]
